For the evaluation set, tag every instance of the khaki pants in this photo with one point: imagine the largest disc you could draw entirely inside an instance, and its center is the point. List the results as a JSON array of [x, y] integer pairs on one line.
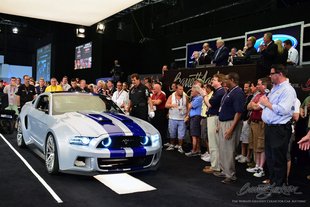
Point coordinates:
[[213, 138], [258, 136], [228, 148]]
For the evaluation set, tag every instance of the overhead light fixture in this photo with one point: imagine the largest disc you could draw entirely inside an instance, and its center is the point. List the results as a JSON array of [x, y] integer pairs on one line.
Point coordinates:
[[80, 32], [15, 30], [100, 28]]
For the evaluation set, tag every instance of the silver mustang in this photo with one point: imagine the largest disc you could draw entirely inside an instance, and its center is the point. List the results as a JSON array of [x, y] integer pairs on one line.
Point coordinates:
[[86, 134]]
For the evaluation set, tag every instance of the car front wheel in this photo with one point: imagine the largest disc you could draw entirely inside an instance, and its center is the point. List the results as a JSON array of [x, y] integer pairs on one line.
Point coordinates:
[[51, 155]]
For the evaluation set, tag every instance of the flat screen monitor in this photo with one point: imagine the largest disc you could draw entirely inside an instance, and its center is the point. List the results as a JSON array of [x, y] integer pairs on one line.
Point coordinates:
[[44, 62], [83, 56]]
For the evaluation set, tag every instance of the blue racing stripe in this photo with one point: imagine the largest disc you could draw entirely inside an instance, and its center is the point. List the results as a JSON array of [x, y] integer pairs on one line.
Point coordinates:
[[117, 153], [139, 152], [134, 127], [107, 124]]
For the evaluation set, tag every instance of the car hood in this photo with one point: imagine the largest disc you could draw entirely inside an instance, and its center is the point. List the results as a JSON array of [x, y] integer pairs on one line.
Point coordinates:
[[109, 124]]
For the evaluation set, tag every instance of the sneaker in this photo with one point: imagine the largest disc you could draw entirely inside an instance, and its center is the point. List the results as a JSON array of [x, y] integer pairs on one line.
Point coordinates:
[[180, 150], [228, 181], [206, 154], [243, 159], [206, 158], [260, 173], [192, 154], [167, 144], [219, 174], [252, 170], [171, 147], [267, 181], [176, 146], [238, 157]]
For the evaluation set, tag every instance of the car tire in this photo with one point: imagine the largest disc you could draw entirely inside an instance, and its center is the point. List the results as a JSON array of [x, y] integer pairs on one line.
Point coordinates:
[[19, 136], [51, 155]]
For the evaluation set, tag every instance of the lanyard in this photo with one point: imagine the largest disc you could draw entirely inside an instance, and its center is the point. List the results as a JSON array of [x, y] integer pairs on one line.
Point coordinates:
[[227, 95], [119, 94]]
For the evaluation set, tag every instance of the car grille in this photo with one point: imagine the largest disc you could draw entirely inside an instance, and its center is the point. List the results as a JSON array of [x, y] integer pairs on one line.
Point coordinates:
[[123, 141], [124, 163]]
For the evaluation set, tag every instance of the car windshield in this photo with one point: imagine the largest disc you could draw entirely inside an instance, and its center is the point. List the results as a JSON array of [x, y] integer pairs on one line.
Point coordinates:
[[73, 103]]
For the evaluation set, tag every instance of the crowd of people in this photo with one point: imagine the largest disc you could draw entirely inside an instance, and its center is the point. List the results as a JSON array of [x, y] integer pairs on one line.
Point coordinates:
[[220, 115], [217, 116], [269, 52]]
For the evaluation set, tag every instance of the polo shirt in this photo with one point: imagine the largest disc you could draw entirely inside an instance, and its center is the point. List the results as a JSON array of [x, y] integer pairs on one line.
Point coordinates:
[[232, 102], [215, 101], [196, 106]]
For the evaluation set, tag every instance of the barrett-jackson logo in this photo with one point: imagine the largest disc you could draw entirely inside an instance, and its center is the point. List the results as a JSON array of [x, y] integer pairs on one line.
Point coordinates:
[[306, 87], [189, 80]]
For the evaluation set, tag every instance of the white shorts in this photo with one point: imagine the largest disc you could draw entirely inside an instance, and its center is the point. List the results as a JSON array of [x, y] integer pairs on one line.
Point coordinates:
[[245, 133]]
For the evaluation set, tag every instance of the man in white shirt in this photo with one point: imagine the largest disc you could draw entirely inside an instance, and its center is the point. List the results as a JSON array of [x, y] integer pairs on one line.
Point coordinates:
[[11, 89], [292, 57], [120, 97], [64, 84]]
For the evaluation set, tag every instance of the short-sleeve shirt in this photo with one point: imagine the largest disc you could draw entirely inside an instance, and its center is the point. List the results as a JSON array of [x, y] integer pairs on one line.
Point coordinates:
[[232, 102], [257, 114], [215, 101], [139, 96], [161, 97], [53, 88], [196, 106], [26, 93]]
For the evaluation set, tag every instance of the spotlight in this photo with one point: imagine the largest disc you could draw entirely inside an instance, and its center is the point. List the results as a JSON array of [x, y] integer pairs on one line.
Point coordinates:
[[80, 32], [100, 28], [15, 30]]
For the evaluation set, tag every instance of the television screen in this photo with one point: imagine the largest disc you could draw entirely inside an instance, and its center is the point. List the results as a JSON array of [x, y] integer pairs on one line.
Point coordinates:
[[83, 58], [44, 62]]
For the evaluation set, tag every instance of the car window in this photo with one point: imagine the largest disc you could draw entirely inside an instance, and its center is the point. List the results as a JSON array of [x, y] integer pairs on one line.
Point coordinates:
[[43, 103], [77, 103]]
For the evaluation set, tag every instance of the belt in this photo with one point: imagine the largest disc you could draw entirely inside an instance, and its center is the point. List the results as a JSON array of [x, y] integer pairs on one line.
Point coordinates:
[[255, 121], [278, 125], [210, 115]]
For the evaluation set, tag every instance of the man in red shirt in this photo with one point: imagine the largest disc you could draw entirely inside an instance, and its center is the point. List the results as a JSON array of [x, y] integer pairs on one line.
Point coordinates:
[[160, 120], [258, 128]]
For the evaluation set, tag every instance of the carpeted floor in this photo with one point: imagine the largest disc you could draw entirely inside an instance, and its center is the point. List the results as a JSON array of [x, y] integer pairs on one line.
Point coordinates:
[[179, 182]]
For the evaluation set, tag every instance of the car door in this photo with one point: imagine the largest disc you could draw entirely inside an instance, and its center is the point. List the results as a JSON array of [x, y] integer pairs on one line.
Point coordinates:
[[38, 120]]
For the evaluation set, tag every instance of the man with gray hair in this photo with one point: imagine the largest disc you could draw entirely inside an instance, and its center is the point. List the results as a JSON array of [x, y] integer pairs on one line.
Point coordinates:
[[221, 54], [206, 54]]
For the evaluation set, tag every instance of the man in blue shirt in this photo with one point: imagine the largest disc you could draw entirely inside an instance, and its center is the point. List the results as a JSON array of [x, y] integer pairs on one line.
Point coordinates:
[[278, 110], [195, 118], [213, 105], [230, 125]]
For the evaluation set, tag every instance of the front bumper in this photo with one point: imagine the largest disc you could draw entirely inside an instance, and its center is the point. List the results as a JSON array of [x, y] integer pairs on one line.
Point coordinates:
[[108, 160]]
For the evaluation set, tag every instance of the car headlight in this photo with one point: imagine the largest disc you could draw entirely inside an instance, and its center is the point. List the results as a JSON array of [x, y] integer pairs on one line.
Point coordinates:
[[145, 141], [81, 140], [155, 139], [106, 142]]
